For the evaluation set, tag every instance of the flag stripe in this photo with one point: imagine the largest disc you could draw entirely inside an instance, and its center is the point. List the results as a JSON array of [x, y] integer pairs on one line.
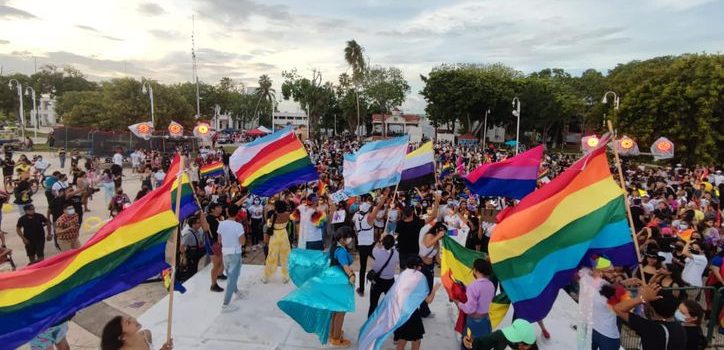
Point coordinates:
[[17, 328], [418, 171], [571, 208], [513, 177], [511, 172], [295, 173], [273, 151], [122, 238], [274, 165], [513, 188]]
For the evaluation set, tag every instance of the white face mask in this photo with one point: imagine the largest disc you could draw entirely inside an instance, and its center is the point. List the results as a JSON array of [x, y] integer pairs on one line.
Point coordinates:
[[70, 211], [348, 240]]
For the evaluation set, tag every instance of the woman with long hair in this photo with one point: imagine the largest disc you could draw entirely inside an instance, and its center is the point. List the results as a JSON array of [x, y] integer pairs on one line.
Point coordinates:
[[278, 242], [125, 333]]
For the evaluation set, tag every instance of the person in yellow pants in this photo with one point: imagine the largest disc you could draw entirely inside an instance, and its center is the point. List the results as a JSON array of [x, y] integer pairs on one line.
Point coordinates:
[[278, 242]]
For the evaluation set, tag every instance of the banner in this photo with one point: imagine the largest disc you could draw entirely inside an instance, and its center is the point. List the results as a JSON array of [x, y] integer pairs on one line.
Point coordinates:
[[588, 143], [338, 196], [175, 130], [142, 130], [662, 149], [627, 146], [203, 131]]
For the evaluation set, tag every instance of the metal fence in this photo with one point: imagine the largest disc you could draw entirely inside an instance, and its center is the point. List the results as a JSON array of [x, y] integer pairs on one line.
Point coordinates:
[[104, 143], [710, 325]]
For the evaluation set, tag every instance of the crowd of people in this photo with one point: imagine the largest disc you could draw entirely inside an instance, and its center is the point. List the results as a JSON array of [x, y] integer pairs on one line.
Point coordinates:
[[676, 214]]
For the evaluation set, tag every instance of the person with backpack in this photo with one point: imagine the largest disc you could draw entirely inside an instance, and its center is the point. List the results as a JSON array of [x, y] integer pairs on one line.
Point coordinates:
[[192, 246], [382, 275], [364, 226]]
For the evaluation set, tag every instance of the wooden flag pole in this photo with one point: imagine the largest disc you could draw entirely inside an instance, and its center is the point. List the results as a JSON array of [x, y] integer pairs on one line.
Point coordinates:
[[173, 241], [622, 183]]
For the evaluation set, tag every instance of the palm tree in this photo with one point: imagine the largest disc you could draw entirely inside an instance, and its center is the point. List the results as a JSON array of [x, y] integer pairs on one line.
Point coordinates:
[[265, 92], [354, 55]]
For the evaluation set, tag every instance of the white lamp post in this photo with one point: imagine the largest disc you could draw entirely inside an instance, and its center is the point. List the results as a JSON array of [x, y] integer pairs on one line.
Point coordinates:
[[516, 112], [485, 126], [20, 97], [34, 113], [148, 88], [615, 104]]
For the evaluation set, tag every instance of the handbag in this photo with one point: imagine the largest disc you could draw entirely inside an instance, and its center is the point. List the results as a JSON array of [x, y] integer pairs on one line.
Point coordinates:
[[373, 275]]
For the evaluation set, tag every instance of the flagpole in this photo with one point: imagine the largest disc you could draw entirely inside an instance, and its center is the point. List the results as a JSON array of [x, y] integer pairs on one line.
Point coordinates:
[[173, 240], [628, 208]]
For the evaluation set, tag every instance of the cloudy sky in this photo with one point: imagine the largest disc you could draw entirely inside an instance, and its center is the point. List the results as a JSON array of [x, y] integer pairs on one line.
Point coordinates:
[[243, 39]]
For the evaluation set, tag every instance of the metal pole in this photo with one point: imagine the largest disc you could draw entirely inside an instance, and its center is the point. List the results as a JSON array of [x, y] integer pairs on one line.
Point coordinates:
[[34, 111], [335, 124], [485, 127], [153, 115], [21, 110], [516, 112]]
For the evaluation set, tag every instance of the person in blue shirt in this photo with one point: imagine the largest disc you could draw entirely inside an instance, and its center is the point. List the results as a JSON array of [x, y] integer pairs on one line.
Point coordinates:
[[339, 256]]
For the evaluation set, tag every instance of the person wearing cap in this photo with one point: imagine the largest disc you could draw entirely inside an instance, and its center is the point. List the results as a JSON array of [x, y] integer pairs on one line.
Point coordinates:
[[593, 305], [30, 228], [518, 336], [652, 263]]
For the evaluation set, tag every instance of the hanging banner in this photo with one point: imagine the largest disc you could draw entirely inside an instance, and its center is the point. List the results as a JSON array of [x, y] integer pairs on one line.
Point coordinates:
[[142, 130], [662, 149], [203, 131], [175, 130], [626, 146], [589, 143]]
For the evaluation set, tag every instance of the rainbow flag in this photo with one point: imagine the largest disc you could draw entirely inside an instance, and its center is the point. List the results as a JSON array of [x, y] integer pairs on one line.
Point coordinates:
[[456, 264], [272, 163], [173, 169], [189, 205], [513, 177], [125, 252], [446, 170], [538, 245], [212, 170]]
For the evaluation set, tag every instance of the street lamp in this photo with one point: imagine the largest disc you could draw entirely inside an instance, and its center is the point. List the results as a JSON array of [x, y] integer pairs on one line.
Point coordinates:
[[485, 126], [20, 97], [34, 113], [615, 103], [516, 112], [147, 87]]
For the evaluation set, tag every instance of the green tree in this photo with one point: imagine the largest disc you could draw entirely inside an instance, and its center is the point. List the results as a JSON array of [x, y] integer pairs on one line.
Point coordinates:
[[315, 97], [354, 56], [385, 88], [266, 96]]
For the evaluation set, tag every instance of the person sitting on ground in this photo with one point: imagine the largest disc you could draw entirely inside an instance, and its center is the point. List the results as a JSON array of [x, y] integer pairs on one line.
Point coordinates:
[[518, 336]]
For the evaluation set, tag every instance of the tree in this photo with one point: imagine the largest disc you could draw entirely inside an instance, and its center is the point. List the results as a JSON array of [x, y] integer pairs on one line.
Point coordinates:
[[265, 93], [354, 56], [385, 88], [314, 97]]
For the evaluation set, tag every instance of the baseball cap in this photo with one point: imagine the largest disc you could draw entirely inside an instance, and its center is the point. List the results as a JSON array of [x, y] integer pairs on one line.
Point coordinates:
[[520, 331]]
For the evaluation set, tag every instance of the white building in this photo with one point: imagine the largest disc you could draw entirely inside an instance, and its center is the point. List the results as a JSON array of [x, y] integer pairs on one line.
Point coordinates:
[[46, 110], [298, 120]]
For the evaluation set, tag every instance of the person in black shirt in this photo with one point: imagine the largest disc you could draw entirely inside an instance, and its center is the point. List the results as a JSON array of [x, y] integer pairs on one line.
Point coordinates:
[[637, 214], [690, 314], [661, 332], [30, 228], [216, 258], [23, 193], [408, 235], [8, 167]]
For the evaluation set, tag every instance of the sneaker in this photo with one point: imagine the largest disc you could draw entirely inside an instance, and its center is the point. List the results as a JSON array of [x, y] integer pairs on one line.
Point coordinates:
[[264, 280], [222, 277], [360, 292], [339, 343], [216, 288], [229, 308]]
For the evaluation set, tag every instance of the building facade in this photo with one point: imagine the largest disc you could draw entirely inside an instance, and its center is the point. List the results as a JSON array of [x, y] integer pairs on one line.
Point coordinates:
[[298, 120]]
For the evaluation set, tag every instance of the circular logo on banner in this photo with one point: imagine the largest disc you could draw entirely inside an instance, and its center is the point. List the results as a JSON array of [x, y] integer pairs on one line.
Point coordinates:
[[627, 143], [203, 129], [664, 146], [175, 129], [144, 129], [592, 141]]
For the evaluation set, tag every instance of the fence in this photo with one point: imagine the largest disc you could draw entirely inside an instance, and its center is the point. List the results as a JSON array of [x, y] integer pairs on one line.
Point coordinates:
[[104, 143], [710, 325]]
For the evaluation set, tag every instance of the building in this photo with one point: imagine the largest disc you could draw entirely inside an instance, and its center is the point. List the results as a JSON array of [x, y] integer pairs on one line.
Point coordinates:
[[397, 123], [46, 110], [298, 120]]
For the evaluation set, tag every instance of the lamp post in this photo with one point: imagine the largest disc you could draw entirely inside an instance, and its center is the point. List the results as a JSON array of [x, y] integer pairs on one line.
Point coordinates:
[[485, 126], [148, 88], [20, 97], [615, 104], [516, 112], [34, 113]]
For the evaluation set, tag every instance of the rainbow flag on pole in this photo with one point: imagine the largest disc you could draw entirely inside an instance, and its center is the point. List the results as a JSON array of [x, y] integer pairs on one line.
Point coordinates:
[[212, 170], [272, 163], [513, 177], [538, 245], [125, 252]]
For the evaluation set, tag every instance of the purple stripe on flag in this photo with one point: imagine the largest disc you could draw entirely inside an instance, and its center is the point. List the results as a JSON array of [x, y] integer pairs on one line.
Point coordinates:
[[492, 187], [418, 171], [512, 172]]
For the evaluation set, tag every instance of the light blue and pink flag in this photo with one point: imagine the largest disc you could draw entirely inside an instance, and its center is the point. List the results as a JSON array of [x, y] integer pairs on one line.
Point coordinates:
[[513, 178], [376, 165], [405, 296]]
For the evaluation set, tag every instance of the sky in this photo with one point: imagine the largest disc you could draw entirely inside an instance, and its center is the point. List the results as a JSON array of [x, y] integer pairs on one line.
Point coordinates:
[[243, 39]]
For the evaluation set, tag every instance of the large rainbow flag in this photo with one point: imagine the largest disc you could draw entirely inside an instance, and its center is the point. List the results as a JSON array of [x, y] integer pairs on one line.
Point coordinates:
[[456, 265], [272, 163], [538, 245], [513, 177], [125, 252]]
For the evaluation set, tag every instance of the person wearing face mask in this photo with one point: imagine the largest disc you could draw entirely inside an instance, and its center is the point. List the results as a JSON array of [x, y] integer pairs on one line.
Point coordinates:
[[694, 265], [311, 221], [457, 225], [256, 212], [690, 314], [118, 202], [67, 229]]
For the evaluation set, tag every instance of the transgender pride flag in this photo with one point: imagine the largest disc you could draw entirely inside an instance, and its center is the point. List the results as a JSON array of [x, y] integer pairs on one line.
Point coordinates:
[[513, 178], [376, 165]]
